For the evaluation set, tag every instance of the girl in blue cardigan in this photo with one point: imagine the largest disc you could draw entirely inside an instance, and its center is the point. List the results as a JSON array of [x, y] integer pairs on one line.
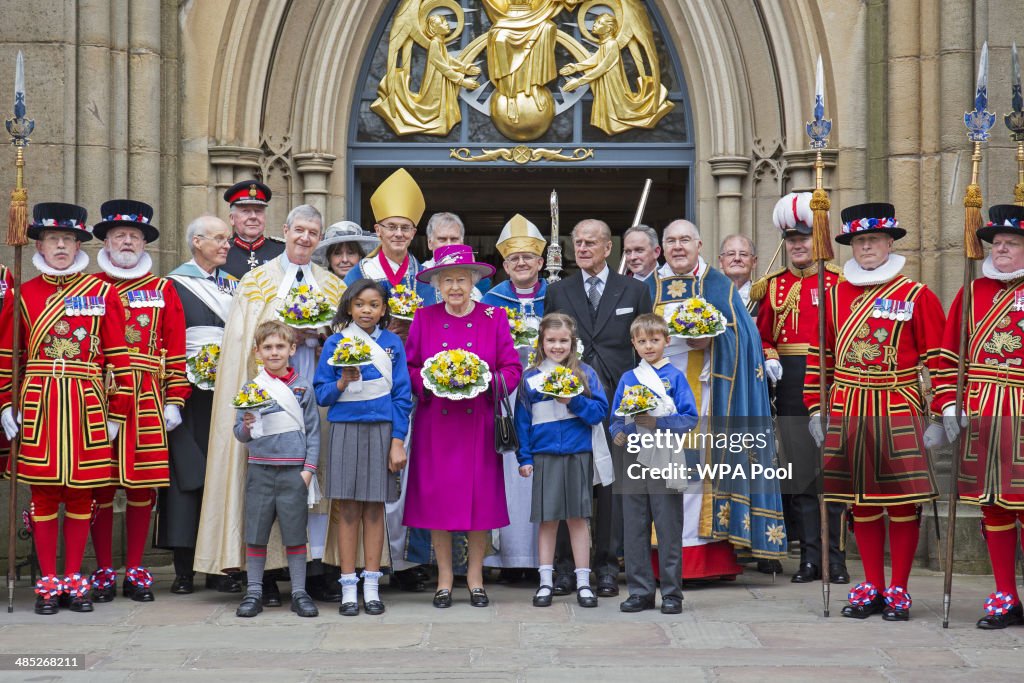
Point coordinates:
[[369, 408], [556, 445]]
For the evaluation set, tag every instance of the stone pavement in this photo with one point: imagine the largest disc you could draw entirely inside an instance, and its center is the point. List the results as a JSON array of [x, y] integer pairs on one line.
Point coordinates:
[[749, 630]]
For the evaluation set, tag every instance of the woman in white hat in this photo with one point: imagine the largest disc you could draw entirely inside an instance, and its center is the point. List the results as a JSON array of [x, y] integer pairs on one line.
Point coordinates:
[[342, 247]]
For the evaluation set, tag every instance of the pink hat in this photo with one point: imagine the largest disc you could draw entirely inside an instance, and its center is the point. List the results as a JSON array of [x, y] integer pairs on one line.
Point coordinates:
[[454, 256]]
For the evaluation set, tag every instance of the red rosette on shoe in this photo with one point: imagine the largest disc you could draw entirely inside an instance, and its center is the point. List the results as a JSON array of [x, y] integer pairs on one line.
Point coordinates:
[[140, 577], [76, 585], [999, 603], [897, 598], [49, 587], [862, 594], [104, 577]]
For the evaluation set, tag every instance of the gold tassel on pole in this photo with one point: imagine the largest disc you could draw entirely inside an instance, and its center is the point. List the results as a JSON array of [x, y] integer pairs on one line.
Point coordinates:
[[972, 210], [17, 212]]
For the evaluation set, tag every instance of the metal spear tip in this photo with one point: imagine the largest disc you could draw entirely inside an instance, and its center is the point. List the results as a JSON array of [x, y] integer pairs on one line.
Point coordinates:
[[19, 86], [983, 68], [819, 128], [979, 121]]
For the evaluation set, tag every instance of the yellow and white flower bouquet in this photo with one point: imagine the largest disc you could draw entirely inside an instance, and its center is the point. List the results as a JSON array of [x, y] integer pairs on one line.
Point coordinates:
[[456, 374]]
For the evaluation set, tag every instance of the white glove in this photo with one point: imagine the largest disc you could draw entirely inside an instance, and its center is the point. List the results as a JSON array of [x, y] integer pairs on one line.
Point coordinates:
[[774, 370], [10, 423], [814, 427], [935, 435], [112, 429], [172, 417], [949, 422]]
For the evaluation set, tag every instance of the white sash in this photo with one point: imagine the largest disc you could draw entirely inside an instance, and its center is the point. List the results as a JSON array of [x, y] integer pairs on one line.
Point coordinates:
[[658, 458], [553, 411], [288, 419], [199, 336], [368, 389], [207, 292]]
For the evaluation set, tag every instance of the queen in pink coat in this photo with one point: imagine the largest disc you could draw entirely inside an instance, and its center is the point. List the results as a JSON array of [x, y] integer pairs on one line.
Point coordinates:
[[455, 480]]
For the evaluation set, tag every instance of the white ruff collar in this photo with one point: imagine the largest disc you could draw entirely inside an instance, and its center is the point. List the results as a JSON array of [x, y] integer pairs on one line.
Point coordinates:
[[988, 269], [141, 268], [80, 263], [879, 276]]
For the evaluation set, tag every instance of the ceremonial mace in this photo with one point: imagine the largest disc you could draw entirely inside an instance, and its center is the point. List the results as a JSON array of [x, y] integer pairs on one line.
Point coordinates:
[[638, 219], [19, 128], [978, 122], [818, 131], [554, 262]]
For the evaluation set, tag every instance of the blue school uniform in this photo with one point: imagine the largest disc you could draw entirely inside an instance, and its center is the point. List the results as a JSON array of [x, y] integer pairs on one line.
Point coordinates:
[[677, 388]]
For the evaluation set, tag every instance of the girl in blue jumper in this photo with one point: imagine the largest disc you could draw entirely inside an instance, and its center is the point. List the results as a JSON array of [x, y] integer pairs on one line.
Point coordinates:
[[369, 415], [556, 447]]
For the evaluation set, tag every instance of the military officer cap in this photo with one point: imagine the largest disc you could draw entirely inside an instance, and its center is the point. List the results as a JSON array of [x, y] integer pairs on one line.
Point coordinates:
[[793, 214], [248, 192]]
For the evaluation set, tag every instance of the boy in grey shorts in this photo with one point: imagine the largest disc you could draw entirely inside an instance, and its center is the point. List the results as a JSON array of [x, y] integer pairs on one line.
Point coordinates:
[[284, 444]]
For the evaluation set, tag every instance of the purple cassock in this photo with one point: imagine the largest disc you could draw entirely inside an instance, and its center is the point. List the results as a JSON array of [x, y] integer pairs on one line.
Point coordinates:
[[455, 480]]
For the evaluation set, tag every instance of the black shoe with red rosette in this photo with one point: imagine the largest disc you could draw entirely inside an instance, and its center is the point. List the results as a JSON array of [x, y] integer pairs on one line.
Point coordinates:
[[77, 588], [897, 604], [104, 584], [138, 584], [1001, 610], [48, 591], [864, 601]]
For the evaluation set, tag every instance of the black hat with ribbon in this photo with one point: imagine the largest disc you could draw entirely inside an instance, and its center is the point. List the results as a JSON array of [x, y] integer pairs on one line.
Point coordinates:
[[867, 219], [1006, 219], [128, 213], [59, 216]]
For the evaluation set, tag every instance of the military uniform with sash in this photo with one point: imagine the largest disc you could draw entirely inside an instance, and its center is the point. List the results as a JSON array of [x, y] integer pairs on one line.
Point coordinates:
[[243, 255], [787, 319], [881, 329]]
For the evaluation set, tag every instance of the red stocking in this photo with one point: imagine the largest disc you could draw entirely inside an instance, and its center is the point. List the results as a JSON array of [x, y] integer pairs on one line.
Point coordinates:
[[103, 526], [869, 530], [904, 530], [1000, 527], [77, 512], [137, 516]]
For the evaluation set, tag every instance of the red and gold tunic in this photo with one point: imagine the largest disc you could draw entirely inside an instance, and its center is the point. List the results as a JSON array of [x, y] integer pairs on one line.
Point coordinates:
[[878, 337], [76, 377], [6, 357], [992, 465], [788, 316], [154, 332]]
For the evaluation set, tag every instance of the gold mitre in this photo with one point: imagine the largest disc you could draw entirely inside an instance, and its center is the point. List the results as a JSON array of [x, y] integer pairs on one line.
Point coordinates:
[[520, 235], [399, 195]]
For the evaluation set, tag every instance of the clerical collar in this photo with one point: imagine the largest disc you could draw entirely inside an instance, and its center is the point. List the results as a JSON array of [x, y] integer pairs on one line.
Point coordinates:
[[249, 246], [527, 293], [80, 263], [989, 270], [141, 268], [804, 272], [856, 275]]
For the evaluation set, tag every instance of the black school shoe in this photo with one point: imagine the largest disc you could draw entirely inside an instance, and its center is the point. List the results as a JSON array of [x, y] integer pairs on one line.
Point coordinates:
[[672, 604], [637, 603], [250, 606], [542, 598], [373, 607], [303, 605], [585, 597]]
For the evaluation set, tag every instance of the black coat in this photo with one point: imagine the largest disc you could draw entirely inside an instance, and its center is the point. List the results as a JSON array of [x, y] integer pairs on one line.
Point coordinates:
[[607, 346]]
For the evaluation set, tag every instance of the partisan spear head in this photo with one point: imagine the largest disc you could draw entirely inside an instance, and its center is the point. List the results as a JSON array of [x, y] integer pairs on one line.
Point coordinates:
[[979, 121], [820, 127], [1015, 119], [19, 127]]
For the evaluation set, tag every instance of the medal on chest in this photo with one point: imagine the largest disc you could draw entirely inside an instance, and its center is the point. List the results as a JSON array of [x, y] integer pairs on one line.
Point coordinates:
[[143, 298]]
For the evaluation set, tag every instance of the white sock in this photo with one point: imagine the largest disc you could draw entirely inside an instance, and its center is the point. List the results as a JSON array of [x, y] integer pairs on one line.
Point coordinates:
[[349, 583], [370, 582], [546, 572], [583, 579]]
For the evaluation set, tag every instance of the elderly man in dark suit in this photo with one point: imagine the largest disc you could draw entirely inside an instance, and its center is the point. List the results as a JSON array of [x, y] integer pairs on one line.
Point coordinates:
[[604, 305]]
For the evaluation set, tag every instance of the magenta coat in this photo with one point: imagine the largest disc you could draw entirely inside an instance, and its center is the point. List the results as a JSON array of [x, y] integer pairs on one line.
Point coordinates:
[[456, 481]]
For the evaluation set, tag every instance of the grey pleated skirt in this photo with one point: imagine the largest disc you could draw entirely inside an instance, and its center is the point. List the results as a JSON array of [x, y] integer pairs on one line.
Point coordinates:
[[359, 463], [562, 486]]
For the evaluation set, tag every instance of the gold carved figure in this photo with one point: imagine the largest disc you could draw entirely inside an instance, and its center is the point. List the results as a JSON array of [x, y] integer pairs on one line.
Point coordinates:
[[520, 47], [617, 107], [434, 110]]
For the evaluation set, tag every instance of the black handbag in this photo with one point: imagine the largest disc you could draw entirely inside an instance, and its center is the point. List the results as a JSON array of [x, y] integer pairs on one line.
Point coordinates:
[[505, 437]]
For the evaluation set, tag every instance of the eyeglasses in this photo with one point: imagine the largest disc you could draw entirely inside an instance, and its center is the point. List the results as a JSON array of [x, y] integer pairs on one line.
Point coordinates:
[[392, 229], [680, 241], [219, 241], [521, 258], [734, 254]]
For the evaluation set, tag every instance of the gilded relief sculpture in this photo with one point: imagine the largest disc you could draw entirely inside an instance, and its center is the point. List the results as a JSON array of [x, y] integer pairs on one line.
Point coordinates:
[[434, 110], [617, 107], [520, 46]]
